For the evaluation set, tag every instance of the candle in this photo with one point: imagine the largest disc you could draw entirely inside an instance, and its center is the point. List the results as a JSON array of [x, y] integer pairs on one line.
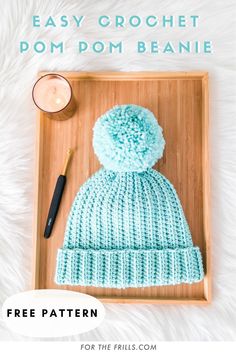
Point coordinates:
[[52, 94]]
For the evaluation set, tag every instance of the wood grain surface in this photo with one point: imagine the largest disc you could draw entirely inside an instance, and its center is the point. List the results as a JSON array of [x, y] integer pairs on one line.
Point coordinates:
[[180, 102]]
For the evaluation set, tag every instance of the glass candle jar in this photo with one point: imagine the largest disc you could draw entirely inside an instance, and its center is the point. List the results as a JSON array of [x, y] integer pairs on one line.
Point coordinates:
[[52, 93]]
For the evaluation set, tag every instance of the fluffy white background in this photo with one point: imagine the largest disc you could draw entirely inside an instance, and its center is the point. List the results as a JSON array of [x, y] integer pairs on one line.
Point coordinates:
[[17, 131]]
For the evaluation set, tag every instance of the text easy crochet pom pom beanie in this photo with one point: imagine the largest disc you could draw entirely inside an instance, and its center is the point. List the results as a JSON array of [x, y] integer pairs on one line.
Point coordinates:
[[126, 227]]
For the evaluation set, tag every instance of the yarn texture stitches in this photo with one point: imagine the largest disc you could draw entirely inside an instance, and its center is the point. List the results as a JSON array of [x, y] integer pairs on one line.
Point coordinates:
[[126, 227]]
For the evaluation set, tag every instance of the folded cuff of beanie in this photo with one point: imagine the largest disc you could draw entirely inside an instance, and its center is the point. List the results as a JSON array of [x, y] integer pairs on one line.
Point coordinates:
[[128, 268]]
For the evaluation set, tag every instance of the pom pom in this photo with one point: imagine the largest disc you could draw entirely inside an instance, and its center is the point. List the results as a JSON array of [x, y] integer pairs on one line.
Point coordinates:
[[128, 138]]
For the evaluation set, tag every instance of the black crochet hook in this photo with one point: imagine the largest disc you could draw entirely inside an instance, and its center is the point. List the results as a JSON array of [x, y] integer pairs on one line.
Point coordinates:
[[57, 195]]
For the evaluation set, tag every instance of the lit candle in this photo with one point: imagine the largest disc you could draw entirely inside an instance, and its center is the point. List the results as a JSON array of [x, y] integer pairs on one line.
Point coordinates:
[[52, 93]]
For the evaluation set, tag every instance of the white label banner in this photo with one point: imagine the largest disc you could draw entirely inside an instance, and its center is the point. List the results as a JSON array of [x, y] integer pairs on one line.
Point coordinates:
[[52, 313]]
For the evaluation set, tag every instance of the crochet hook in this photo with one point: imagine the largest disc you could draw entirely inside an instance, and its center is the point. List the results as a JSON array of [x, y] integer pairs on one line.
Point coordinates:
[[57, 195]]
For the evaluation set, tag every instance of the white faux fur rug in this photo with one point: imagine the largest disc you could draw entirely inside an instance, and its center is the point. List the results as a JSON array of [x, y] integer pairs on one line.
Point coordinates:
[[17, 131]]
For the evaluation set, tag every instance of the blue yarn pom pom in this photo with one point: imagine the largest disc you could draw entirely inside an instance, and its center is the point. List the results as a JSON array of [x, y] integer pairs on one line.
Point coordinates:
[[128, 138]]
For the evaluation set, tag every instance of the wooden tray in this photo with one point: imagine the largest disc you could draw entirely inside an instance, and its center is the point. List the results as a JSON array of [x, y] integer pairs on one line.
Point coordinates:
[[180, 101]]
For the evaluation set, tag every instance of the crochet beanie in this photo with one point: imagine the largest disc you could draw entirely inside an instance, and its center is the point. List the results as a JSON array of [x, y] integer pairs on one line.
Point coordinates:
[[126, 227]]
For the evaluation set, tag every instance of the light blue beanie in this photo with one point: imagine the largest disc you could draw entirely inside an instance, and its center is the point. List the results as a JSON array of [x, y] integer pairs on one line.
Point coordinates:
[[126, 227]]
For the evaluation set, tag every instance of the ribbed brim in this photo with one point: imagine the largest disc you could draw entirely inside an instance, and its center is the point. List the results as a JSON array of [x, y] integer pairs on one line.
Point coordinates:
[[128, 268]]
